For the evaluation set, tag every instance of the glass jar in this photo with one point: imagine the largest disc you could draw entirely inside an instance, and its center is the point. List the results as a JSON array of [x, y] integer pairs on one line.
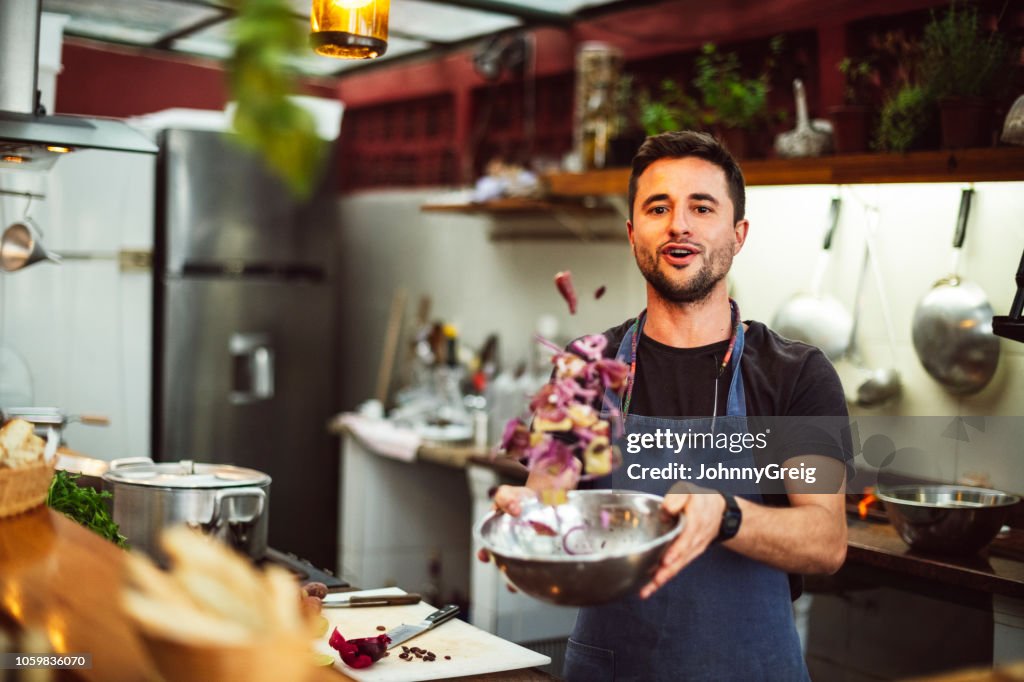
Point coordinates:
[[598, 70]]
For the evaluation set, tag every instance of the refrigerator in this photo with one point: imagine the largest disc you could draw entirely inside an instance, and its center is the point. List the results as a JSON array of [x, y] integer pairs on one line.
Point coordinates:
[[244, 331]]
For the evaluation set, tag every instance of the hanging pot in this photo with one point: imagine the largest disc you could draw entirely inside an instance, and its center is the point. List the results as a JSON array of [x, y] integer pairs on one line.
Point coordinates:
[[227, 502], [813, 317], [952, 329]]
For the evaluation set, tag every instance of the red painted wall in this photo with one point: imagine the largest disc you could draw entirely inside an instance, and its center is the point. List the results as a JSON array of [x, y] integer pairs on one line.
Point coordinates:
[[105, 80]]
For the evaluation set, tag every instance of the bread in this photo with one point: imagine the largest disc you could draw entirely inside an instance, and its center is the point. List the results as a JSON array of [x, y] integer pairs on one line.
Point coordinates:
[[19, 445]]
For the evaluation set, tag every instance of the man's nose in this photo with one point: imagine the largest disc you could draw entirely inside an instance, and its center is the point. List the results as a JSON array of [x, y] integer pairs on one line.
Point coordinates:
[[679, 226]]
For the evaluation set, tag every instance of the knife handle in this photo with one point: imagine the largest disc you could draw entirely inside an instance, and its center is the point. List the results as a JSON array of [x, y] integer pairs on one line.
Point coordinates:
[[391, 600], [441, 615]]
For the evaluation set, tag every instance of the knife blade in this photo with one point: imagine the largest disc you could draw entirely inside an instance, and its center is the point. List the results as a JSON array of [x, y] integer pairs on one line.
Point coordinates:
[[337, 600], [405, 632]]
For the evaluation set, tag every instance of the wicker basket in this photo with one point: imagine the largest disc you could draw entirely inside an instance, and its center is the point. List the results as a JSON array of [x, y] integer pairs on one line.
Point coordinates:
[[25, 487]]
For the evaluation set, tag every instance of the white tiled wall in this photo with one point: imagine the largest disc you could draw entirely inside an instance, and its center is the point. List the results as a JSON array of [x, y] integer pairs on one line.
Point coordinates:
[[84, 327]]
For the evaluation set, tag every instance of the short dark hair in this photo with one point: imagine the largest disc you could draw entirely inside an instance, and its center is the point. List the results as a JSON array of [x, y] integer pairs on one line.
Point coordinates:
[[680, 145]]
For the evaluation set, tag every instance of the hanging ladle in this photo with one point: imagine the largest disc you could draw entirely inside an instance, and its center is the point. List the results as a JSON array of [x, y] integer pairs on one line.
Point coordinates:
[[878, 385], [882, 384]]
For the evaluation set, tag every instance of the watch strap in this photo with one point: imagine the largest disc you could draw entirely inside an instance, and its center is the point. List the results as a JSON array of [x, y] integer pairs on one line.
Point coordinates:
[[731, 519]]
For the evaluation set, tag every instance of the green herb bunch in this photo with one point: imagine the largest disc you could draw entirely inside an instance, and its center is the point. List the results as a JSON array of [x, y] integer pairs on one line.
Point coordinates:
[[905, 117], [959, 58], [84, 505], [860, 76], [267, 39], [728, 98], [673, 109]]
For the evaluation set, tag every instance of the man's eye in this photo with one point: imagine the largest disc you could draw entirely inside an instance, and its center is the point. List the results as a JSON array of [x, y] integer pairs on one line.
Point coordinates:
[[659, 210], [702, 209]]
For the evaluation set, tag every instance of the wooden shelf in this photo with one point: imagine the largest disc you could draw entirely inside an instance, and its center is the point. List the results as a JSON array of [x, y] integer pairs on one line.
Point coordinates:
[[967, 165], [512, 207]]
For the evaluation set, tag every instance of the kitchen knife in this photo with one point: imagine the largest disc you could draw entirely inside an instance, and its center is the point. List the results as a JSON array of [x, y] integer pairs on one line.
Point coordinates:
[[405, 632], [339, 599]]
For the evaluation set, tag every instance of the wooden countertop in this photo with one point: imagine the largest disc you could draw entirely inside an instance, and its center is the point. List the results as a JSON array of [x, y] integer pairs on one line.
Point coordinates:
[[878, 545], [64, 580]]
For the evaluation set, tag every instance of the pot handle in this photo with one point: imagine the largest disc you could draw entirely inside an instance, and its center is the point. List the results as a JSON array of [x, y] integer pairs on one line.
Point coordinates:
[[221, 501], [128, 462]]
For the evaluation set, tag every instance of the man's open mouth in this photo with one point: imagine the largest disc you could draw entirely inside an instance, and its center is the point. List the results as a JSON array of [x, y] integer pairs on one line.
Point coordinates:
[[679, 254]]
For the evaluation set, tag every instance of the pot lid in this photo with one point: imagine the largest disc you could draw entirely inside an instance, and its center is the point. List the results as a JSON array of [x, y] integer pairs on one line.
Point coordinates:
[[187, 474]]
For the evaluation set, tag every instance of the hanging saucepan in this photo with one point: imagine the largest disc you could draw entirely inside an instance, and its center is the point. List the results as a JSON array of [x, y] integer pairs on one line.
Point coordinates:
[[952, 328], [813, 317], [227, 502]]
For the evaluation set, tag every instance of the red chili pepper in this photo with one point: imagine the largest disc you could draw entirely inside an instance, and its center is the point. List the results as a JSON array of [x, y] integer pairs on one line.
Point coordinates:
[[563, 280]]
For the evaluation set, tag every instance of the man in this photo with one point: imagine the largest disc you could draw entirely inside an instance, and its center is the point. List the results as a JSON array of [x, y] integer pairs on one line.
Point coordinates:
[[719, 605]]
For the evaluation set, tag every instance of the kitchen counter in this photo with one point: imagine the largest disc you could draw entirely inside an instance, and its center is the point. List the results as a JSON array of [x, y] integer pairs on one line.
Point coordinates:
[[64, 580], [878, 545], [454, 455]]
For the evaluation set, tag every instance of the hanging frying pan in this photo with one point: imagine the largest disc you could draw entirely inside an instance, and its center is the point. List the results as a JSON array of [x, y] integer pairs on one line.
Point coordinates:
[[813, 317], [952, 327]]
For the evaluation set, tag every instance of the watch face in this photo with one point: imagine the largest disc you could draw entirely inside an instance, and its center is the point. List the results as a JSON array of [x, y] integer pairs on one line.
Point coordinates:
[[732, 524]]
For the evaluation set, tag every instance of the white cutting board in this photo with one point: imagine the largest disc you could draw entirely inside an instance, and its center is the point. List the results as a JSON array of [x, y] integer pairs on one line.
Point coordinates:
[[473, 651]]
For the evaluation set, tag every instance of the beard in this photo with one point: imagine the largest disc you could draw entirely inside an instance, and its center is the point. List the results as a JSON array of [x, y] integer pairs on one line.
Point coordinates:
[[696, 288]]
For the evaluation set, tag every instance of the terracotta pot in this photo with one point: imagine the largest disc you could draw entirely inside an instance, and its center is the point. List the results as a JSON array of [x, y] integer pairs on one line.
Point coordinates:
[[966, 122], [850, 123]]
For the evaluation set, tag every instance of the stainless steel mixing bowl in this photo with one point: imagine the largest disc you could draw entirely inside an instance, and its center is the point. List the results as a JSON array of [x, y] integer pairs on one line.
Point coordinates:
[[950, 519], [599, 546]]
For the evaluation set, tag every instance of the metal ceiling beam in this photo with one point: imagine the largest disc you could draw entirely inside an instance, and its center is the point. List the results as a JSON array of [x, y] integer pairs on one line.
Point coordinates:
[[527, 15]]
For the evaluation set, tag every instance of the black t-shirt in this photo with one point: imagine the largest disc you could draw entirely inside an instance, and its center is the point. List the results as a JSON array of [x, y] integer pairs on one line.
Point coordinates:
[[781, 378]]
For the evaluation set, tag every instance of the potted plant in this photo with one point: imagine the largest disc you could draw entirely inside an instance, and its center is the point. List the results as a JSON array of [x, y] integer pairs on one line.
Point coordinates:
[[732, 104], [964, 65], [907, 118], [851, 120], [671, 109]]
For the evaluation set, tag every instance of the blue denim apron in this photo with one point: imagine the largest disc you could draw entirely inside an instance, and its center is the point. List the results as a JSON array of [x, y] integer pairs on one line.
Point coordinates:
[[723, 617]]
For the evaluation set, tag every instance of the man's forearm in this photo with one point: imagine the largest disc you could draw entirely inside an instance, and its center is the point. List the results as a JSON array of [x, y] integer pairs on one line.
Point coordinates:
[[809, 538]]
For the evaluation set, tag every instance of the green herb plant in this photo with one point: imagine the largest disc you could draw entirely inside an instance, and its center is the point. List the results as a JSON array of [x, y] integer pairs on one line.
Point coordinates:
[[859, 77], [908, 109], [673, 109], [727, 97], [260, 77], [959, 58], [905, 117], [84, 505]]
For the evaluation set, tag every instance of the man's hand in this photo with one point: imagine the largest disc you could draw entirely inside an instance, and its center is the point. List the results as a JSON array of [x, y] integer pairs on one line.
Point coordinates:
[[703, 509]]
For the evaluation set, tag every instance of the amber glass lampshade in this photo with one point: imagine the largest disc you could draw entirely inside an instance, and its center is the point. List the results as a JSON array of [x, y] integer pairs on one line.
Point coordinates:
[[349, 29]]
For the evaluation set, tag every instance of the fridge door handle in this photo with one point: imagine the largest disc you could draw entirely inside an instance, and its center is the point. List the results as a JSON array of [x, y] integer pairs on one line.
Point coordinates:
[[252, 357]]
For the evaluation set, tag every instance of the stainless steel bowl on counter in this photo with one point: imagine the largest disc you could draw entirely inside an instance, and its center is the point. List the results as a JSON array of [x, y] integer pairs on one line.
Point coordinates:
[[948, 519], [600, 546]]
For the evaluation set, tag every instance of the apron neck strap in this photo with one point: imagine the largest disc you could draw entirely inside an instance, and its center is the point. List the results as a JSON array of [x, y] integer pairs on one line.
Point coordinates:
[[638, 325]]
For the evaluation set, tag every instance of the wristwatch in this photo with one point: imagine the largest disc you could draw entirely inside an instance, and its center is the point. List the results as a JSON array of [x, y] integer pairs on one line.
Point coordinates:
[[731, 518]]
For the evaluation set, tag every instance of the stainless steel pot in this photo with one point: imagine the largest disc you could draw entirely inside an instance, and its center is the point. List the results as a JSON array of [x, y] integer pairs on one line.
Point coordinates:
[[227, 502]]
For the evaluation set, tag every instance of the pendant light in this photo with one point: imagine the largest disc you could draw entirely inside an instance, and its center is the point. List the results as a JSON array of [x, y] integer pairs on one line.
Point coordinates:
[[349, 29]]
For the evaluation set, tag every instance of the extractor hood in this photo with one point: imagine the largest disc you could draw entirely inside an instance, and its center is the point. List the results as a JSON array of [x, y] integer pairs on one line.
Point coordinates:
[[28, 138]]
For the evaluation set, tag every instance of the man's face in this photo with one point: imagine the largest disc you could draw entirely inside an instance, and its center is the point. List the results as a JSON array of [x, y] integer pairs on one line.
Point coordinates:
[[682, 233]]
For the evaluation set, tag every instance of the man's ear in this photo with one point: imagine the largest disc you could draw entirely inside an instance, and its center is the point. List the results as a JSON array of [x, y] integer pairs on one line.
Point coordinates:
[[740, 231], [629, 231]]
